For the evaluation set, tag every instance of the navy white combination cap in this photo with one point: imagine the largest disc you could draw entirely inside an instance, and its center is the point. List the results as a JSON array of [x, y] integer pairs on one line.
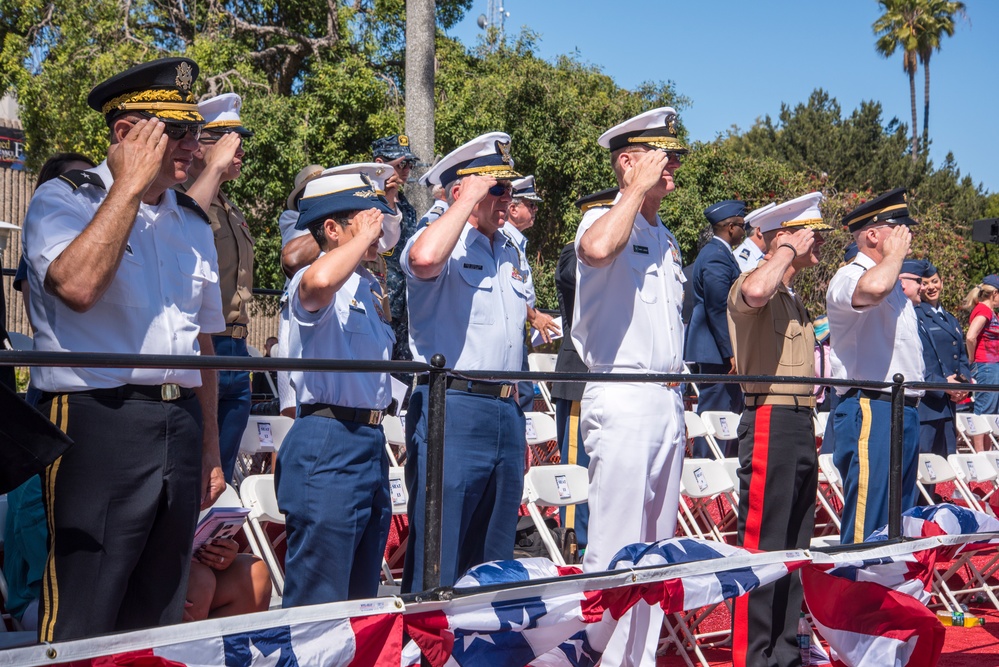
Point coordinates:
[[799, 213], [524, 189], [655, 128], [222, 114], [351, 187], [485, 155]]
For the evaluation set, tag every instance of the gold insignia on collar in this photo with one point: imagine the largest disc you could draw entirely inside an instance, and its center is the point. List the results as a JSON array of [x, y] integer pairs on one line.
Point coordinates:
[[671, 125], [504, 151], [185, 77], [403, 140]]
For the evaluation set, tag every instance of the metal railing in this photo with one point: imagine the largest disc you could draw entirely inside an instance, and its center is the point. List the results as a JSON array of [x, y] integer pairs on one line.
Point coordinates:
[[438, 378]]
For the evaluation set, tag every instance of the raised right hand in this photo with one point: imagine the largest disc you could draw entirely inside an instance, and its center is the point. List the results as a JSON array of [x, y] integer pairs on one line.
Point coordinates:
[[221, 153], [898, 242], [648, 170], [138, 157], [369, 224], [802, 241], [476, 188]]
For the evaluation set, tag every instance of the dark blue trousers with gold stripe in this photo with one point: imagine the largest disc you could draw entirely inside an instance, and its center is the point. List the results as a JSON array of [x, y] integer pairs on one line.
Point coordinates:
[[121, 504], [778, 475], [862, 456], [570, 443]]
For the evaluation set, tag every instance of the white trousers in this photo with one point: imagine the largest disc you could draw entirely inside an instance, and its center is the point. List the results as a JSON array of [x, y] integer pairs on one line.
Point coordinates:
[[634, 434]]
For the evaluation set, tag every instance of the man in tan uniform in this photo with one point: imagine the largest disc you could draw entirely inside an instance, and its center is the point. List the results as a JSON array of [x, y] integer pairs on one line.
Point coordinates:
[[219, 159], [772, 335]]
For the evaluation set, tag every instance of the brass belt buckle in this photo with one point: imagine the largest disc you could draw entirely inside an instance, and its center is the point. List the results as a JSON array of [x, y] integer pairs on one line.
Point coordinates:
[[506, 391], [170, 392], [374, 417]]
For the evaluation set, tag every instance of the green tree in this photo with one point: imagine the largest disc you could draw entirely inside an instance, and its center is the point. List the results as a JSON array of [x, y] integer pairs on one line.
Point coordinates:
[[900, 28]]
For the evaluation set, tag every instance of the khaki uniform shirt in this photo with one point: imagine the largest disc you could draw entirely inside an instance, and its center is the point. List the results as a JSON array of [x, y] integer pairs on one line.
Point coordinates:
[[777, 339], [234, 246]]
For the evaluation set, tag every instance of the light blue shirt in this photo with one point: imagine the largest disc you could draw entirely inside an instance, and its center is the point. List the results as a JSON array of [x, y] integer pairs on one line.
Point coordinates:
[[474, 311], [351, 328]]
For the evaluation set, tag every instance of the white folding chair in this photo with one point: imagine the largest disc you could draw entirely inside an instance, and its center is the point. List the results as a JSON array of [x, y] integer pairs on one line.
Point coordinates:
[[721, 426], [697, 428], [970, 469], [820, 420], [399, 497], [934, 469], [702, 482], [263, 435], [539, 362], [553, 486], [541, 432], [258, 495], [395, 438], [970, 425]]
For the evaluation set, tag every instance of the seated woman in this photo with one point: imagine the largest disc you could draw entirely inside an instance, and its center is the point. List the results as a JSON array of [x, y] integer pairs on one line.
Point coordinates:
[[224, 582]]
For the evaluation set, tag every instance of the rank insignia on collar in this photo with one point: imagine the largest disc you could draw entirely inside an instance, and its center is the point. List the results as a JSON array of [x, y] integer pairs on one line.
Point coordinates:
[[185, 77]]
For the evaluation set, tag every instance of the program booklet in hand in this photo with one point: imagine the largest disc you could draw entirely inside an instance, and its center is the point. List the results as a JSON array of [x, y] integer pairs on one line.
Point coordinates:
[[219, 522]]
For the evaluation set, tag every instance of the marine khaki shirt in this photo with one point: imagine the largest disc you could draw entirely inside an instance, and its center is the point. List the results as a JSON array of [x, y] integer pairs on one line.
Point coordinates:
[[776, 339], [235, 250]]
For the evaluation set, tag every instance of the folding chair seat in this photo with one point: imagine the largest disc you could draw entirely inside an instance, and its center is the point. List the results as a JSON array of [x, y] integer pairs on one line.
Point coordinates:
[[722, 426], [542, 438], [260, 497], [553, 486], [970, 425], [972, 469], [263, 435], [538, 362], [934, 469]]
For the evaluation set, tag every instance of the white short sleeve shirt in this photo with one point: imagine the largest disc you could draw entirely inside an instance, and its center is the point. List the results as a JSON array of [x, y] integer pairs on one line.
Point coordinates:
[[627, 314], [876, 342], [349, 328], [748, 255], [165, 293], [520, 241], [474, 311]]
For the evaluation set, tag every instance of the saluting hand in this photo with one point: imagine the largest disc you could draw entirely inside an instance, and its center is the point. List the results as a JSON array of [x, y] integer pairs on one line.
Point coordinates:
[[369, 224], [898, 242], [221, 153], [802, 241], [648, 171], [135, 161], [476, 188]]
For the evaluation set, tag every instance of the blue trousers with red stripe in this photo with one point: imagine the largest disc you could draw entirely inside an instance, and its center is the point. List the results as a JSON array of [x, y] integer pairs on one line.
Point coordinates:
[[778, 475], [863, 436]]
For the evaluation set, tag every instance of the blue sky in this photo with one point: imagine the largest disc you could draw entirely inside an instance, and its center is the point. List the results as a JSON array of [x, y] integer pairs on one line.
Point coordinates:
[[739, 60]]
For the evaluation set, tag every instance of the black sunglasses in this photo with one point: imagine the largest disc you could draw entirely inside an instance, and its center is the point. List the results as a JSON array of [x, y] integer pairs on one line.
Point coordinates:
[[178, 131], [501, 189], [408, 163]]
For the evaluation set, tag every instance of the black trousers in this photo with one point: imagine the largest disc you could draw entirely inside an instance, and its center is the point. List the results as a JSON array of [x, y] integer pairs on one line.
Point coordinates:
[[121, 505], [778, 475]]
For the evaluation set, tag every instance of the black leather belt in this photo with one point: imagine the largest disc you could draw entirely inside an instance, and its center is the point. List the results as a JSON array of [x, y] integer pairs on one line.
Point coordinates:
[[473, 387], [910, 401], [357, 415], [132, 392]]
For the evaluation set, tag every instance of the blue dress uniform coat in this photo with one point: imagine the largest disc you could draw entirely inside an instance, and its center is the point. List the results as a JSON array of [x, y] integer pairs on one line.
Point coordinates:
[[715, 270], [949, 356]]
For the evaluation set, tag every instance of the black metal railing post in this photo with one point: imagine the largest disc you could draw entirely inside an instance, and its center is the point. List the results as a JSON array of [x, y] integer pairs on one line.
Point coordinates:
[[895, 471], [433, 514]]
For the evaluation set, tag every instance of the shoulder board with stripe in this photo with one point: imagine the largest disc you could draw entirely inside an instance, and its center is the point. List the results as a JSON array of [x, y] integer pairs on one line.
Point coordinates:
[[602, 199], [188, 202], [78, 177]]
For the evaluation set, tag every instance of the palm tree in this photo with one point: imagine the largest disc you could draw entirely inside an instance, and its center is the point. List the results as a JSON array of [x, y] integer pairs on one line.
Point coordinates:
[[938, 20], [900, 27]]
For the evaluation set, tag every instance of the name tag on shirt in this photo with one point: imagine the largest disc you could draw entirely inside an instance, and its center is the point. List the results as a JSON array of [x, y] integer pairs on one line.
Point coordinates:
[[640, 249], [474, 267]]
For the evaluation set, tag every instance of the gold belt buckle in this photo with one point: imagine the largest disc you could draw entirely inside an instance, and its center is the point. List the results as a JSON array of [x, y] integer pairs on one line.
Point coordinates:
[[170, 392], [506, 391], [239, 331], [374, 417]]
